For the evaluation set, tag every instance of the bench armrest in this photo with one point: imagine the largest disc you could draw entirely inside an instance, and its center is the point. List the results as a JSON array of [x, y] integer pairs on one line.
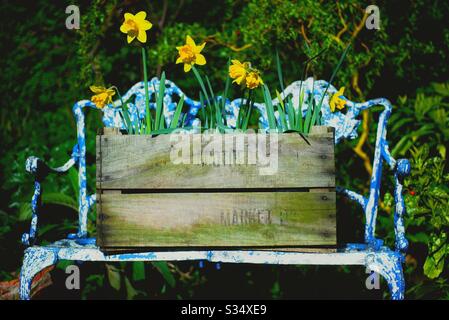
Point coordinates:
[[401, 169], [40, 170]]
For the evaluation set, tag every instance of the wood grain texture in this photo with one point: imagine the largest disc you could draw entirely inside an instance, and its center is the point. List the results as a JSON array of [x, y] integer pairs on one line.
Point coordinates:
[[146, 200], [217, 219], [143, 162]]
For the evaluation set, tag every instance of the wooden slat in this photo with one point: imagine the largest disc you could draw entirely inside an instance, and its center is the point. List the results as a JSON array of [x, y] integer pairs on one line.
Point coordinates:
[[143, 162], [216, 219]]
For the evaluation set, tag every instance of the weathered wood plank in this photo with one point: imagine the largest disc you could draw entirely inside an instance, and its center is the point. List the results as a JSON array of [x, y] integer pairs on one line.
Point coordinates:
[[143, 162], [217, 219]]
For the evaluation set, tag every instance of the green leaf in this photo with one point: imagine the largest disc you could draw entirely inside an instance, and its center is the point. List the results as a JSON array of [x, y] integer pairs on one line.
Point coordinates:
[[60, 199], [124, 113], [307, 121], [74, 181], [63, 264], [291, 113], [299, 119], [175, 120], [439, 192], [160, 101], [269, 107], [138, 270], [203, 88], [131, 292], [24, 212], [432, 267], [279, 69], [225, 93], [114, 276], [281, 112], [147, 95], [162, 267], [419, 237]]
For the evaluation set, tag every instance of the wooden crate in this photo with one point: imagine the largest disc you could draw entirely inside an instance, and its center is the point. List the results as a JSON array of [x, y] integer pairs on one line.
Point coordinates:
[[145, 200]]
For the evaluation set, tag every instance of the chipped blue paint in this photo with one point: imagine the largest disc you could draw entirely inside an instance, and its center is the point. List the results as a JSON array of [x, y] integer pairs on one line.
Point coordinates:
[[372, 253], [386, 262]]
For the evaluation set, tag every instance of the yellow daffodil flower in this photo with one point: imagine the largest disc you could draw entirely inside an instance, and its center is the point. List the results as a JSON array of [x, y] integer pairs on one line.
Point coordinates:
[[102, 95], [337, 101], [238, 71], [190, 54], [253, 80], [135, 26], [244, 75]]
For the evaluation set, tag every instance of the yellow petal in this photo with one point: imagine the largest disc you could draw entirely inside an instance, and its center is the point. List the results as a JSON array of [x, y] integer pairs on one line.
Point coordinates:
[[240, 79], [142, 36], [200, 47], [141, 15], [124, 28], [187, 67], [200, 60], [190, 41], [145, 25], [130, 38], [110, 92], [332, 105], [341, 104], [129, 16], [96, 89], [337, 94], [179, 60]]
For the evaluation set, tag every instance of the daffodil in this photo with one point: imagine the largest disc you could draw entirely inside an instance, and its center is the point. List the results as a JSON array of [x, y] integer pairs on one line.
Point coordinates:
[[253, 80], [238, 71], [135, 26], [244, 75], [102, 95], [190, 54], [337, 101]]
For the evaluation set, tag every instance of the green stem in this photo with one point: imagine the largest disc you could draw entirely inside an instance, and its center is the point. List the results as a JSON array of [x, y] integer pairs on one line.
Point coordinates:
[[147, 96], [248, 114], [200, 81]]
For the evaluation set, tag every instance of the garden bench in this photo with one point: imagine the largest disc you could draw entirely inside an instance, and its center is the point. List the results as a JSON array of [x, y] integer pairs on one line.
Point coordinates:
[[372, 253]]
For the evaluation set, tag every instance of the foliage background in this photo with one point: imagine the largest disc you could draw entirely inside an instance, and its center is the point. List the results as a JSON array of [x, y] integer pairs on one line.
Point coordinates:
[[45, 68]]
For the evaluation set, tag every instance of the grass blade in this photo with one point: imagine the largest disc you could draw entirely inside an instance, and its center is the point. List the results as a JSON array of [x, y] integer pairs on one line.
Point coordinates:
[[203, 111], [278, 65], [299, 119], [225, 94], [160, 100], [281, 111], [248, 115], [183, 120], [175, 120], [290, 113], [310, 105], [215, 104], [269, 108], [147, 97]]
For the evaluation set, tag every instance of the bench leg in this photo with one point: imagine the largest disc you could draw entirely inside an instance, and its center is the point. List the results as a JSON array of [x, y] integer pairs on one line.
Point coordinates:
[[35, 260], [389, 265]]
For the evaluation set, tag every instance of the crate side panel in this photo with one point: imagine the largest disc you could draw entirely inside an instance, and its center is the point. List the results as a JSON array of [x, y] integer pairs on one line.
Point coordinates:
[[218, 219], [143, 162]]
